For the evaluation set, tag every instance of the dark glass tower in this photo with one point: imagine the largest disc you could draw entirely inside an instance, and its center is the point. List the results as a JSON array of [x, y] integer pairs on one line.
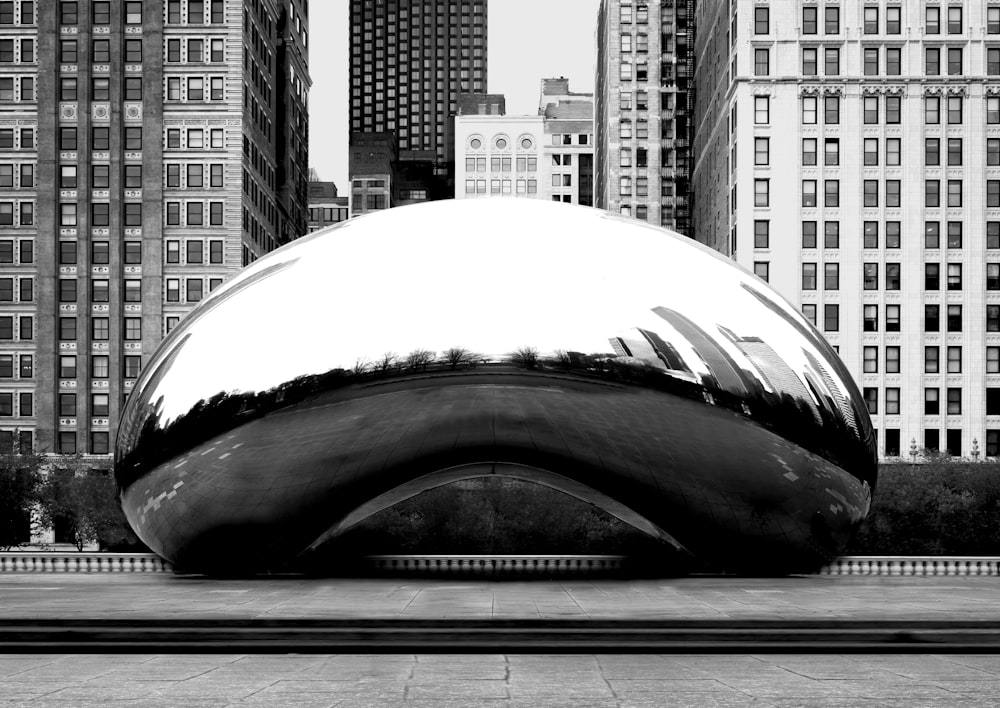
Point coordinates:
[[410, 59]]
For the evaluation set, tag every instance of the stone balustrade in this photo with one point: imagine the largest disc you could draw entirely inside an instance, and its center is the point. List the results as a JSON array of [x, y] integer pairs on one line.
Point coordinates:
[[482, 565]]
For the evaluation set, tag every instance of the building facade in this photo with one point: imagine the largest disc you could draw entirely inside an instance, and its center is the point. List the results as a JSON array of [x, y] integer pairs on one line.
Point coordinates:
[[325, 207], [410, 59], [153, 152], [849, 153], [644, 109], [545, 156]]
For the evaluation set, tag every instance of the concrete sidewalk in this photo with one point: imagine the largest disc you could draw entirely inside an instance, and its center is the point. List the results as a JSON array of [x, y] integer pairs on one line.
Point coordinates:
[[511, 681], [797, 598]]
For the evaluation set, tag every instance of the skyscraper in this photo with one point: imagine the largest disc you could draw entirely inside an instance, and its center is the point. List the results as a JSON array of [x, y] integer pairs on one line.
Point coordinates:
[[644, 109], [849, 153], [409, 61], [151, 148]]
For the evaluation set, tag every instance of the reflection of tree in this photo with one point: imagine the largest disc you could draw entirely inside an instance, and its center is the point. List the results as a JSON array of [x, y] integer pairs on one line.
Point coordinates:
[[418, 359], [458, 356], [526, 357], [388, 362]]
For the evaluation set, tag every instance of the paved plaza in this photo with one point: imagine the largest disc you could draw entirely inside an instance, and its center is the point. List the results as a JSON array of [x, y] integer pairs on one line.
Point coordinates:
[[813, 597], [499, 676], [499, 680]]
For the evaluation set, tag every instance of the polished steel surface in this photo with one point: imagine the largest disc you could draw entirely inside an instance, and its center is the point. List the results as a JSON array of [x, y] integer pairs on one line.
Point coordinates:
[[395, 352]]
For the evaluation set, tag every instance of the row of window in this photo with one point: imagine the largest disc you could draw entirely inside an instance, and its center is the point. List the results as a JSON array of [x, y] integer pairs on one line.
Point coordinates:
[[100, 51], [194, 213], [100, 252], [100, 366], [20, 88], [931, 323], [195, 88], [20, 213], [100, 176], [831, 320], [100, 442], [891, 23], [17, 13], [20, 51], [100, 12], [502, 164], [100, 138], [17, 138], [100, 329], [953, 58], [25, 400], [100, 214], [194, 288], [870, 278], [194, 175], [100, 89], [500, 186], [872, 151], [870, 231], [870, 193], [195, 51], [932, 401], [830, 109]]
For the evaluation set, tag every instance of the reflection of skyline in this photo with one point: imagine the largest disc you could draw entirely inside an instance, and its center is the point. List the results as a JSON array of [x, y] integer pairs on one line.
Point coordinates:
[[728, 375], [652, 349]]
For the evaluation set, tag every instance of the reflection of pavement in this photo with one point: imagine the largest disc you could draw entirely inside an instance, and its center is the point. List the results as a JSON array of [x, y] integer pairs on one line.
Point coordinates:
[[496, 679]]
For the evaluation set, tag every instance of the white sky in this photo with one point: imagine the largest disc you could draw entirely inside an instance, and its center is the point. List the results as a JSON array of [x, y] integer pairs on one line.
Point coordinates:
[[528, 40]]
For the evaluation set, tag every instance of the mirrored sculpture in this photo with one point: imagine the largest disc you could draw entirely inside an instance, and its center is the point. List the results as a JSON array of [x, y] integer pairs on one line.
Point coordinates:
[[615, 361]]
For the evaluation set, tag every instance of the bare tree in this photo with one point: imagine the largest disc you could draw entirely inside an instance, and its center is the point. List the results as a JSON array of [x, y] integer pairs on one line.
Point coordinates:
[[419, 359], [526, 357], [388, 361], [456, 356]]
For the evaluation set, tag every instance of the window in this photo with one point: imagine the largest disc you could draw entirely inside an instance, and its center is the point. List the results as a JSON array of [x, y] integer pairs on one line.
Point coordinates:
[[954, 360], [932, 356], [831, 276], [932, 276], [831, 110], [955, 193], [993, 318], [761, 154], [892, 318], [932, 110], [954, 276], [870, 105], [870, 234], [67, 139], [892, 276], [809, 312], [831, 61], [133, 252], [954, 20], [871, 20], [954, 318], [809, 151], [761, 20], [992, 193], [808, 192], [955, 110], [809, 20], [761, 110], [892, 360], [809, 61], [832, 20], [993, 276], [831, 234], [101, 51], [871, 399], [133, 290], [893, 61], [67, 329], [932, 401], [831, 318], [954, 401], [133, 328], [761, 234], [870, 360], [809, 110], [932, 193], [932, 20], [932, 152], [870, 318], [133, 366], [893, 152], [893, 197], [870, 280], [932, 61], [893, 108], [808, 276], [871, 61], [173, 290], [870, 151], [831, 193], [67, 405], [993, 62], [831, 152], [993, 360], [761, 192], [808, 234], [761, 62], [761, 269], [195, 289], [68, 51], [99, 328], [892, 234], [893, 21]]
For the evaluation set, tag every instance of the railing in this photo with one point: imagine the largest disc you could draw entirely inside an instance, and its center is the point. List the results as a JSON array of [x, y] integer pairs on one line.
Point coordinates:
[[483, 565]]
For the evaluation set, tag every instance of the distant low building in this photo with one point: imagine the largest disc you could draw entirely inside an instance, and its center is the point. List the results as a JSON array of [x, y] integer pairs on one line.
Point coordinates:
[[325, 207], [545, 156]]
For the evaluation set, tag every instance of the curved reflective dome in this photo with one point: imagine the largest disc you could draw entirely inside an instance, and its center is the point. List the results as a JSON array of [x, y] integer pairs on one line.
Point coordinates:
[[616, 361]]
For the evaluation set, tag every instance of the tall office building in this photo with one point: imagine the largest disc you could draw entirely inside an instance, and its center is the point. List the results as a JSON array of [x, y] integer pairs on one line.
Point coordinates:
[[849, 153], [409, 61], [644, 109], [148, 150]]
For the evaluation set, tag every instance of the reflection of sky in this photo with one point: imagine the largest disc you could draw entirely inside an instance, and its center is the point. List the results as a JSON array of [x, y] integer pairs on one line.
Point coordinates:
[[487, 275]]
